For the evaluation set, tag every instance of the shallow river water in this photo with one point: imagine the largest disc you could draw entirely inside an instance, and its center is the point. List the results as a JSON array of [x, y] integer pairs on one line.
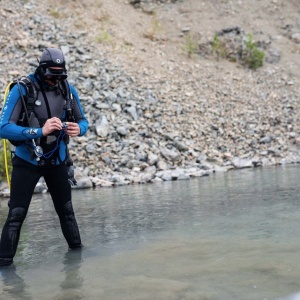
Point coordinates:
[[226, 236]]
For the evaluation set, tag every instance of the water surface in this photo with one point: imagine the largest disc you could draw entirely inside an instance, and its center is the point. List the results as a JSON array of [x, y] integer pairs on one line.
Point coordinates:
[[226, 236]]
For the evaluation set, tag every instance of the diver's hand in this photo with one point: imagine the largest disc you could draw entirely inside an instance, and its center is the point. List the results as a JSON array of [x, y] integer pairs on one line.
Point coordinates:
[[51, 125], [72, 129]]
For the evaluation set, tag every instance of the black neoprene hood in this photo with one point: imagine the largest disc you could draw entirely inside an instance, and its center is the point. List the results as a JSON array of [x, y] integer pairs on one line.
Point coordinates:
[[52, 57], [52, 62]]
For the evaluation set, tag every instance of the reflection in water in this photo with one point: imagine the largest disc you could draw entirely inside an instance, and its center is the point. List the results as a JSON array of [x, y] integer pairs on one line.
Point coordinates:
[[14, 285], [71, 286]]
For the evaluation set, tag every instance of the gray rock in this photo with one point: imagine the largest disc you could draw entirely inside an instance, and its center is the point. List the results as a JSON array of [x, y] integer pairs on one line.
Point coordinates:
[[162, 165], [265, 140], [132, 111], [102, 126], [181, 146], [273, 56], [83, 183], [152, 159], [122, 130], [296, 37], [241, 163], [170, 154], [166, 176]]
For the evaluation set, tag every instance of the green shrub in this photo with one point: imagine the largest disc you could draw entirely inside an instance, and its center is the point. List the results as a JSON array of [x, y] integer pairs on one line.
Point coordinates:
[[55, 13], [191, 45], [251, 55], [218, 47], [105, 37], [151, 33], [241, 50]]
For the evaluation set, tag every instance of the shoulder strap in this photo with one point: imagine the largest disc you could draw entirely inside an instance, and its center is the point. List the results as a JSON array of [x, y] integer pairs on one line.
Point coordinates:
[[69, 101], [31, 93], [46, 99], [65, 89]]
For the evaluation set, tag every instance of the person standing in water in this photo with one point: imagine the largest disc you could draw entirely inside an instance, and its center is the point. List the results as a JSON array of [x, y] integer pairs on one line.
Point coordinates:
[[39, 116]]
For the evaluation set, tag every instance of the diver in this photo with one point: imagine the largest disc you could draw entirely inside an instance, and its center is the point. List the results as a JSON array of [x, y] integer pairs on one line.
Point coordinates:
[[42, 111]]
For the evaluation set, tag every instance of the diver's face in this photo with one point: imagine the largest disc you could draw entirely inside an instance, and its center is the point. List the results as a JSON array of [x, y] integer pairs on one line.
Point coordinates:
[[53, 79]]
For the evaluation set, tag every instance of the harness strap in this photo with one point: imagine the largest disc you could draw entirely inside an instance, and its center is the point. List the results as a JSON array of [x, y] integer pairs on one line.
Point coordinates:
[[31, 94], [45, 98]]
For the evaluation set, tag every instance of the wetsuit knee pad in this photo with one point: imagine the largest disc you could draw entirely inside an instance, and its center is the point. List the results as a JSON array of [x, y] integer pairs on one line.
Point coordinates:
[[17, 216], [68, 212], [10, 235]]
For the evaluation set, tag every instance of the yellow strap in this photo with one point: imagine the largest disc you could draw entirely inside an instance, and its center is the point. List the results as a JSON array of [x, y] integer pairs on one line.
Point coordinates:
[[6, 162], [5, 142]]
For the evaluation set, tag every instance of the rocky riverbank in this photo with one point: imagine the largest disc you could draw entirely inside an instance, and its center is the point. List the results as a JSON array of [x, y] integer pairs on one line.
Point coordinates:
[[190, 118]]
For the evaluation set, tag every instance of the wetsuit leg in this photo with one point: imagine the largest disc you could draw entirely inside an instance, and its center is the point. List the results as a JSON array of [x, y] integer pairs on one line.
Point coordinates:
[[56, 179], [23, 181]]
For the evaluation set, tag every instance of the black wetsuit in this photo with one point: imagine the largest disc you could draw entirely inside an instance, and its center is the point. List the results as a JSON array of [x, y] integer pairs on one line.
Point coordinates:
[[27, 170]]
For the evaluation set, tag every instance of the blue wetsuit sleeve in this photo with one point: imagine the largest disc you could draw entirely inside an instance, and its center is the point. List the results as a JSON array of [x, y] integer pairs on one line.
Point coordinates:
[[9, 117], [79, 113]]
